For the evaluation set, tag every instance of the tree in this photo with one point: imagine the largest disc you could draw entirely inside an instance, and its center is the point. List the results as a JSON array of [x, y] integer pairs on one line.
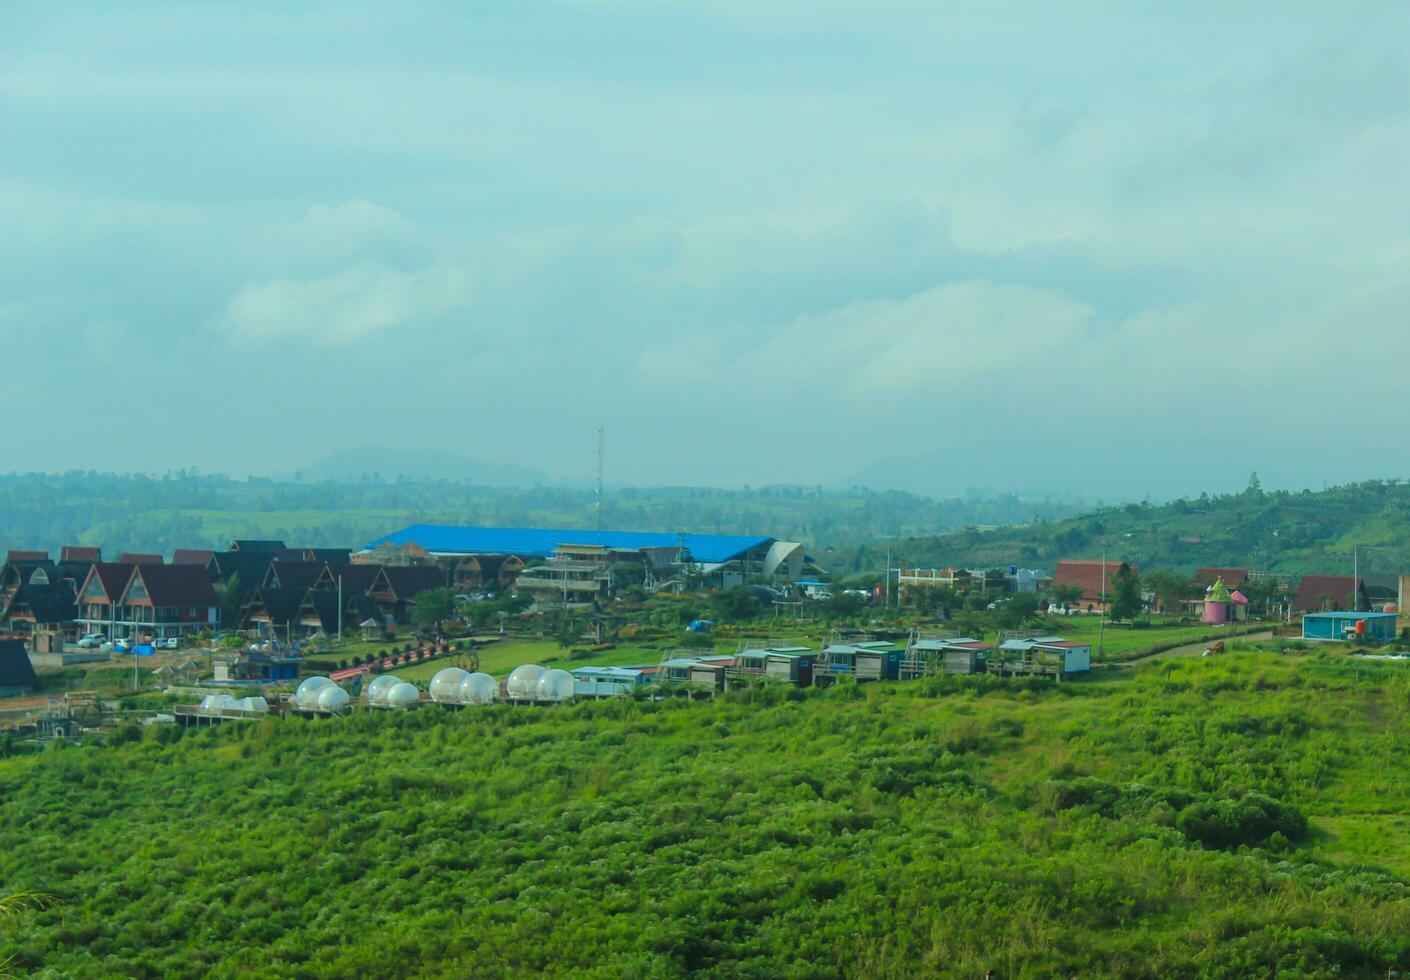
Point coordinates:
[[734, 604], [1170, 588], [432, 607], [231, 597], [1065, 595], [1126, 593]]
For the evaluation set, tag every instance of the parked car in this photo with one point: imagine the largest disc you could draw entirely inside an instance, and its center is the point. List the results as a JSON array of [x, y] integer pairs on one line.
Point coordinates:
[[91, 641], [121, 646], [820, 594], [170, 643]]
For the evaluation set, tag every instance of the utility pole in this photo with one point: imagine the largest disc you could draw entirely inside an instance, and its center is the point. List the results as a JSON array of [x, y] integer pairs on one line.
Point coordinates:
[[340, 608], [601, 447]]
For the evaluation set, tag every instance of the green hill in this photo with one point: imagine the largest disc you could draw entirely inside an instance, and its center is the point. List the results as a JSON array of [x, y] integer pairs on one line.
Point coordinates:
[[1279, 531], [1231, 817]]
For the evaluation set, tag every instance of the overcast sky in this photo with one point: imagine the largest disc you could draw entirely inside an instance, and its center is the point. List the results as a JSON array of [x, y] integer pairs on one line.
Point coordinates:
[[1106, 249]]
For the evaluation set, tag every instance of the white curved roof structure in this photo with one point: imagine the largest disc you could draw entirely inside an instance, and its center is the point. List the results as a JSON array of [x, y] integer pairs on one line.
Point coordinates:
[[523, 683], [478, 688], [445, 686], [555, 685]]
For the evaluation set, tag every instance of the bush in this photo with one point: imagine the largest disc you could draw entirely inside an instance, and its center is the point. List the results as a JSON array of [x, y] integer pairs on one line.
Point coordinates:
[[1228, 823]]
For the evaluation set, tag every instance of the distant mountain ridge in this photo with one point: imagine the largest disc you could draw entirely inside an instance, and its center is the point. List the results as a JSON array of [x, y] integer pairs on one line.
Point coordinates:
[[353, 464]]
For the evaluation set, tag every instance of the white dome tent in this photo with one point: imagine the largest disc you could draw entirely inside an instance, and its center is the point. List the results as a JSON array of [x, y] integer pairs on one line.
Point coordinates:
[[376, 692], [523, 683], [333, 699], [306, 696], [404, 695], [446, 685], [478, 688], [555, 685]]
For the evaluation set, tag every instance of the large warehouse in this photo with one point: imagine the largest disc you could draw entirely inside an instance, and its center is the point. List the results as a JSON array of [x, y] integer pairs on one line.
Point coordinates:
[[727, 559]]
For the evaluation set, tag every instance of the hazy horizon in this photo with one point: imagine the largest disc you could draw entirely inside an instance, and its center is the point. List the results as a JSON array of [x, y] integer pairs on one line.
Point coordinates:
[[1113, 252]]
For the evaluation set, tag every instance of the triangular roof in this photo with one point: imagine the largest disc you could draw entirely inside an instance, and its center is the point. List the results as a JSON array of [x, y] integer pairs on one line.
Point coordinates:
[[111, 576], [282, 606], [191, 556], [177, 585], [47, 603], [409, 581], [301, 575], [357, 579], [15, 668]]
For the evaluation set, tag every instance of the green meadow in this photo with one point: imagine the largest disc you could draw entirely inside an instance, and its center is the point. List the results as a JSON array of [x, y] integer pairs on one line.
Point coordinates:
[[1232, 816]]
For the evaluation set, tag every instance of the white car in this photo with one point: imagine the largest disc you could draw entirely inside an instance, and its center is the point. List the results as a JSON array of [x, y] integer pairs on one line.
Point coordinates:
[[91, 641], [170, 643]]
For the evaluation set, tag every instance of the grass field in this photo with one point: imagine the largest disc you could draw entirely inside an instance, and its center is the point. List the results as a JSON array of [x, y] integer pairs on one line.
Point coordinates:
[[1227, 817]]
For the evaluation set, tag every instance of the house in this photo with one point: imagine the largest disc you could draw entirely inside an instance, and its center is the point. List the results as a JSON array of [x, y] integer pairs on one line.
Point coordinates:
[[866, 660], [39, 605], [1050, 655], [931, 652], [675, 668], [790, 666], [100, 597], [16, 672], [169, 601], [139, 558], [158, 601], [1364, 627], [1327, 593], [1094, 578], [74, 552]]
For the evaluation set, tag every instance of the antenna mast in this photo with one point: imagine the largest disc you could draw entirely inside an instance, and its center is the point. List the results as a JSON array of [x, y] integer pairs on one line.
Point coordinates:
[[600, 459]]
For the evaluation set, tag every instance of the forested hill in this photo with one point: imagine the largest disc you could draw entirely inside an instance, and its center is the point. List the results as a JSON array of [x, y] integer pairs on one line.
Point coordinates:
[[139, 513], [1293, 532]]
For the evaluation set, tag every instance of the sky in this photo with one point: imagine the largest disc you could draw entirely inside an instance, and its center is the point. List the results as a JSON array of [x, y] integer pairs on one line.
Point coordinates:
[[1097, 249]]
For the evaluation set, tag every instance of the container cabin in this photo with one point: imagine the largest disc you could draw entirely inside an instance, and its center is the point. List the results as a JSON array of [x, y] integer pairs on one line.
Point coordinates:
[[1050, 656], [610, 682], [865, 659], [792, 666], [1361, 627], [751, 660]]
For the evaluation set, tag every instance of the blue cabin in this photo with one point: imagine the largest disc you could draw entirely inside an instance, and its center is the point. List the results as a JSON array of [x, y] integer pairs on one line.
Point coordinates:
[[1375, 628]]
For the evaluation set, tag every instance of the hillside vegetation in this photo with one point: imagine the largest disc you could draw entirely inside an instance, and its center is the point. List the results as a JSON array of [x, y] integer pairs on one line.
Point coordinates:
[[1224, 817], [1280, 531], [181, 510]]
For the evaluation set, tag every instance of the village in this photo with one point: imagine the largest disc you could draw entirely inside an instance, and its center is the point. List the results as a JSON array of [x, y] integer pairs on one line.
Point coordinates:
[[419, 615]]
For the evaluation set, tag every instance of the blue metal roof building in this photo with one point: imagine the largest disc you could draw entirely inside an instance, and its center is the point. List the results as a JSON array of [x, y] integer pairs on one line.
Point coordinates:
[[441, 539]]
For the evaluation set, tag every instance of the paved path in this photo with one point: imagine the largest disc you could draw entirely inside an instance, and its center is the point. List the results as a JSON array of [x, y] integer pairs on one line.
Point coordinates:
[[1191, 649]]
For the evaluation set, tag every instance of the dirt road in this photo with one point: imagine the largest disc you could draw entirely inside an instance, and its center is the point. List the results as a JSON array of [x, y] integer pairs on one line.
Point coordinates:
[[1190, 649]]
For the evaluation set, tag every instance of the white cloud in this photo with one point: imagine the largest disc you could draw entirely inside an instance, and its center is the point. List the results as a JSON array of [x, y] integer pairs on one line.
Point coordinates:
[[953, 334], [364, 300]]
